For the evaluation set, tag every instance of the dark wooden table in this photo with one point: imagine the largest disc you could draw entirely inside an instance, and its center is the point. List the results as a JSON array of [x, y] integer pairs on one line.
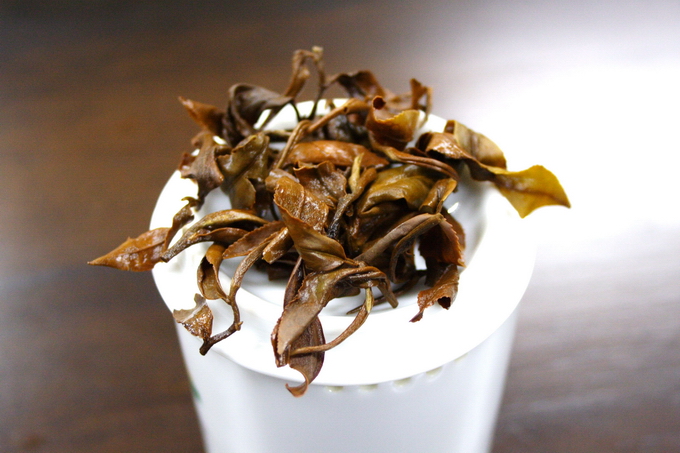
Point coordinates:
[[90, 128]]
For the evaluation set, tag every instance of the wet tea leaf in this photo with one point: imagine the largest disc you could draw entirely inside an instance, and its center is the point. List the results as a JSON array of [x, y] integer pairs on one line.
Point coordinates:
[[136, 254]]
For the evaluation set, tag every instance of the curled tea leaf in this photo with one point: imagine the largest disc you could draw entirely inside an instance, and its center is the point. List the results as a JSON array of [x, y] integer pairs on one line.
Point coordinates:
[[318, 251], [443, 292], [408, 183], [316, 290], [388, 129], [198, 320], [208, 274], [362, 84], [249, 241], [246, 163], [203, 168], [440, 191], [245, 106], [308, 364], [212, 227], [478, 146], [358, 321], [183, 217], [303, 204], [324, 180]]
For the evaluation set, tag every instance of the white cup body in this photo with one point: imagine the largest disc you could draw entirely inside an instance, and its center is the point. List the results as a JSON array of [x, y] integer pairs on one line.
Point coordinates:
[[451, 409]]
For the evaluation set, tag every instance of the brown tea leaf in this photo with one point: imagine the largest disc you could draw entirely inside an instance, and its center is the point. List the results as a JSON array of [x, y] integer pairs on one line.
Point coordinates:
[[341, 154], [362, 85], [438, 194], [409, 226], [301, 203], [237, 279], [418, 91], [402, 262], [316, 290], [181, 218], [246, 163], [309, 364], [198, 320], [476, 145], [136, 254], [279, 245], [526, 190], [203, 169], [443, 292], [361, 317], [409, 183], [529, 189], [249, 241], [245, 106], [207, 116], [358, 182], [319, 252], [213, 226], [208, 274], [388, 129], [324, 180]]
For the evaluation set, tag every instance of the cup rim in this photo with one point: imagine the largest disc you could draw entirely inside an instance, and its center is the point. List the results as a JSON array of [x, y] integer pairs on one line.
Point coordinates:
[[387, 347]]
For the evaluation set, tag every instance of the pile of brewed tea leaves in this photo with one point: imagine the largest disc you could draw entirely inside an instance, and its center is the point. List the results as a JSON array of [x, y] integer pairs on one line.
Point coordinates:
[[337, 205]]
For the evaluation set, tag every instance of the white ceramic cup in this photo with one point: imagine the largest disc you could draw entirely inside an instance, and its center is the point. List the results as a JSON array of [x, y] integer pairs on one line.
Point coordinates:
[[433, 386]]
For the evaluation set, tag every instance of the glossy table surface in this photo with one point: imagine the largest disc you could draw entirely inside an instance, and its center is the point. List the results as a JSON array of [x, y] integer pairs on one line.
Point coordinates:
[[90, 129]]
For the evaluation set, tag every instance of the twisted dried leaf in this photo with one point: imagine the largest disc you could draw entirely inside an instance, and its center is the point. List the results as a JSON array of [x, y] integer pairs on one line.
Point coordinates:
[[421, 222], [361, 84], [181, 218], [478, 146], [309, 364], [438, 194], [358, 182], [443, 242]]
